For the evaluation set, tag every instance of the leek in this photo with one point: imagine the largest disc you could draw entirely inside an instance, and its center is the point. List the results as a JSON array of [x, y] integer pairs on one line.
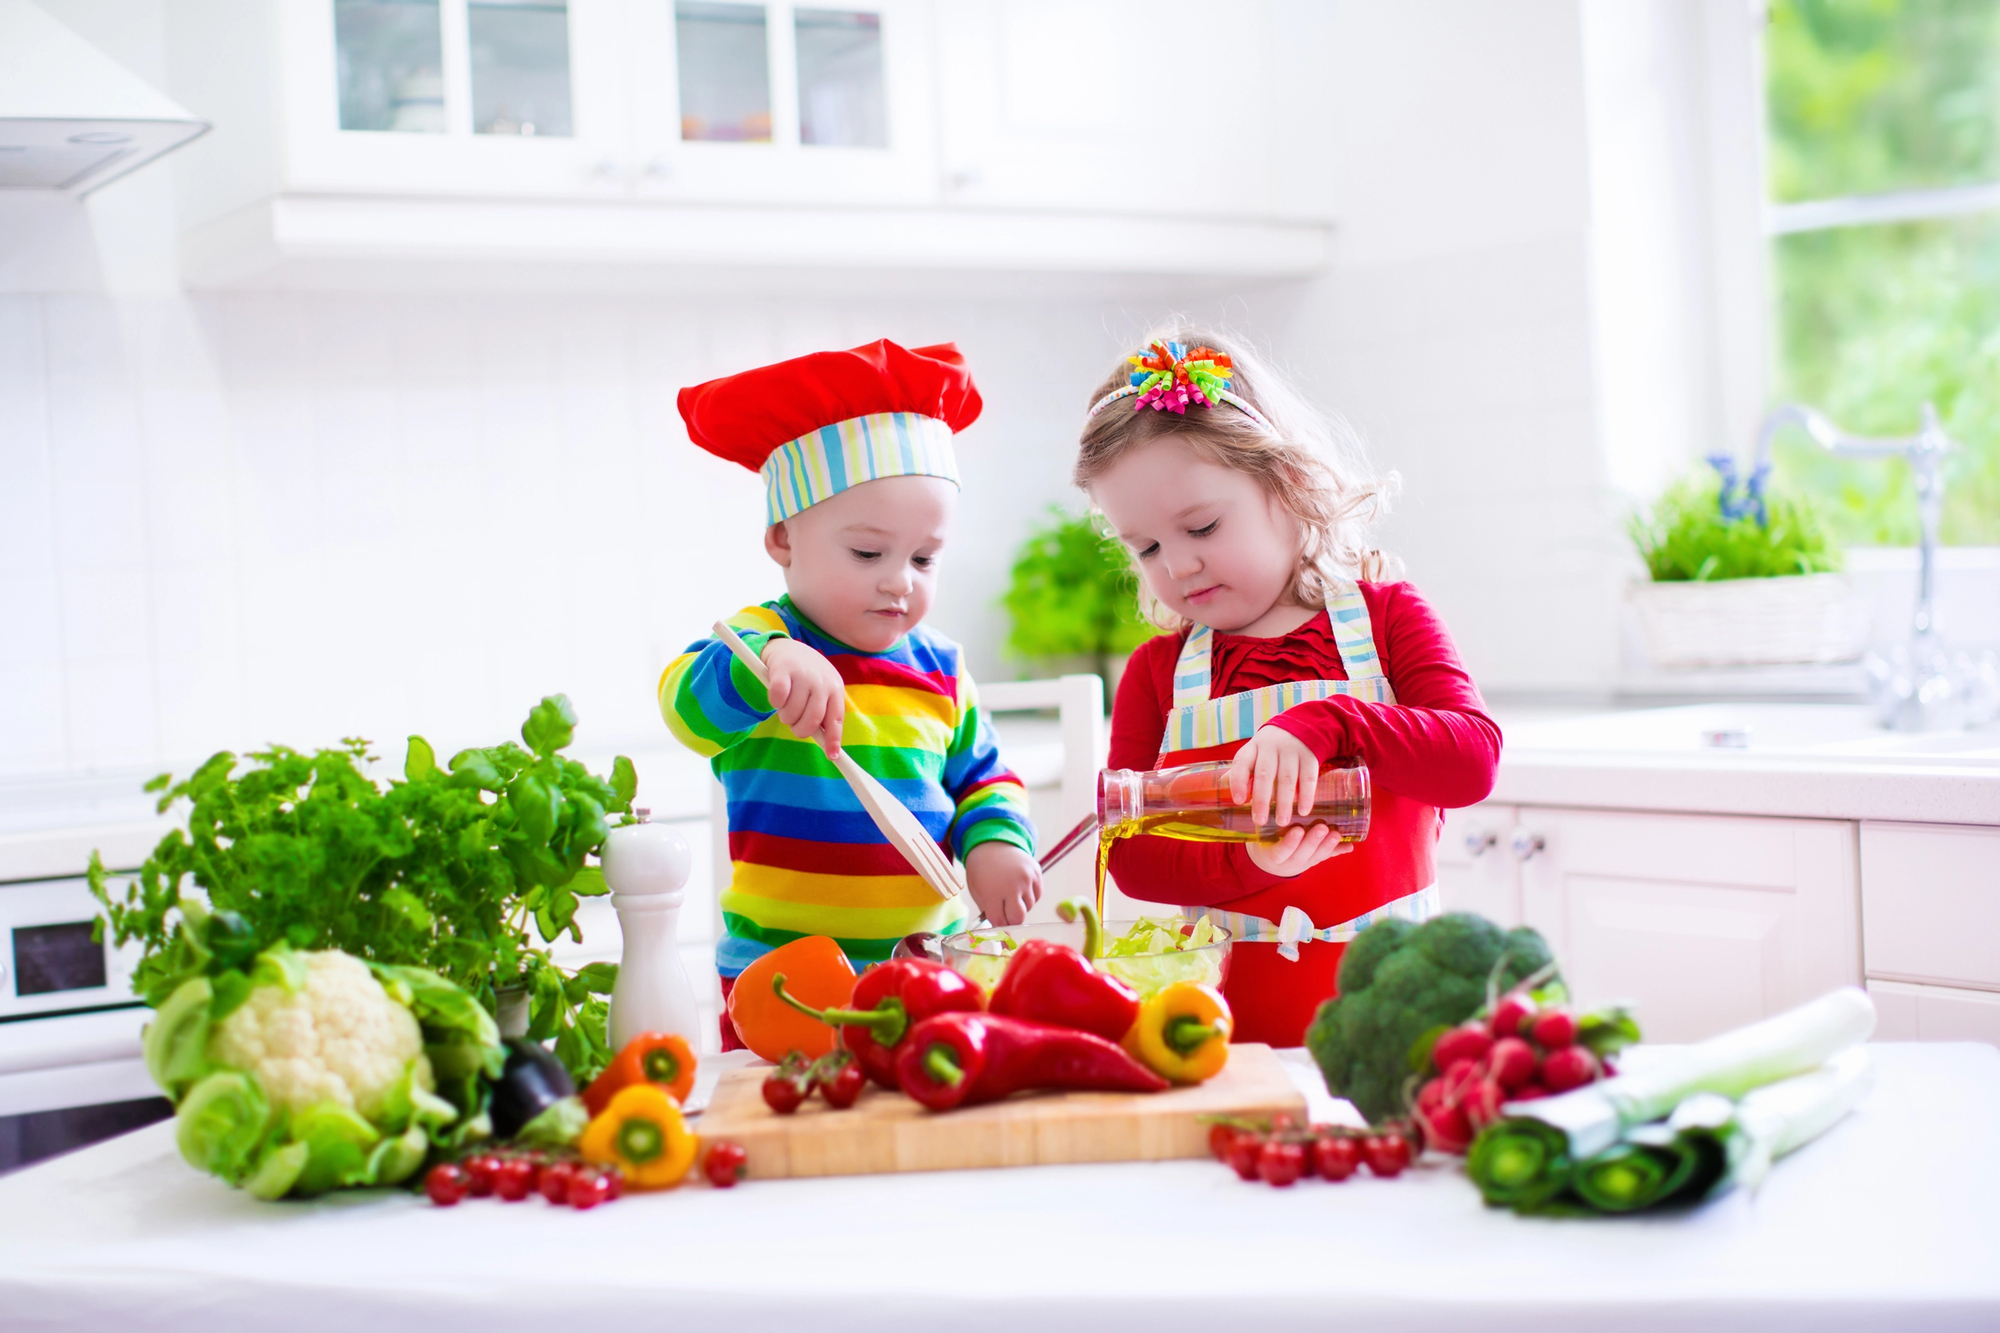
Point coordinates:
[[1584, 1139]]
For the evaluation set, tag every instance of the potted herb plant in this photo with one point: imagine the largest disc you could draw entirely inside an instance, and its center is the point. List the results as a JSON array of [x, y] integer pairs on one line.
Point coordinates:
[[1073, 598], [445, 869], [1740, 577]]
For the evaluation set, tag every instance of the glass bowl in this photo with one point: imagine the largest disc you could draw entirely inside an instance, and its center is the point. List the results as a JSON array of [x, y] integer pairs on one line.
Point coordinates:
[[982, 954]]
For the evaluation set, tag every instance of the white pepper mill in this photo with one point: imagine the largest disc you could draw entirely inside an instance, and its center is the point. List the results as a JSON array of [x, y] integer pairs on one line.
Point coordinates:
[[646, 867]]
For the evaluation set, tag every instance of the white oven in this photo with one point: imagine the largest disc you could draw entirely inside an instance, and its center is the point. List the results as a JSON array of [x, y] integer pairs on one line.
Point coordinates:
[[71, 1064]]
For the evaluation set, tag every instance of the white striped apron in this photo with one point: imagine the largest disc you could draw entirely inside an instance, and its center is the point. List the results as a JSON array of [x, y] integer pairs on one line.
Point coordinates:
[[1198, 722]]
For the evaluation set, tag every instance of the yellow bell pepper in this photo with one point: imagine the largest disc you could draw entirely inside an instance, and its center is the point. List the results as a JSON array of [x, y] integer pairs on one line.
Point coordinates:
[[1182, 1033], [641, 1132]]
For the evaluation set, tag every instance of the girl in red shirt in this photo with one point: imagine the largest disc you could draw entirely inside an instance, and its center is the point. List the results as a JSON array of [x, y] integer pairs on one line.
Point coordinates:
[[1246, 517]]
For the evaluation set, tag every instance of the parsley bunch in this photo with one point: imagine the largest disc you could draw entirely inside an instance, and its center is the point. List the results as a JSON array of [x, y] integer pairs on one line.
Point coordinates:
[[444, 869]]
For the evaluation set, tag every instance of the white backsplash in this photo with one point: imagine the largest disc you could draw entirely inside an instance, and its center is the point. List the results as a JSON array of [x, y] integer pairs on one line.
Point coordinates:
[[230, 520]]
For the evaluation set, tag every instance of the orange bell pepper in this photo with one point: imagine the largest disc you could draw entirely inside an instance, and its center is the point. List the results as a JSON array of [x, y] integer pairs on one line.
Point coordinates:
[[817, 972], [642, 1134], [650, 1057]]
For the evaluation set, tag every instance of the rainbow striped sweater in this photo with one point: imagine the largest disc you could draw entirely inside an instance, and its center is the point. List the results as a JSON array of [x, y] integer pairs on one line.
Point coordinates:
[[807, 859]]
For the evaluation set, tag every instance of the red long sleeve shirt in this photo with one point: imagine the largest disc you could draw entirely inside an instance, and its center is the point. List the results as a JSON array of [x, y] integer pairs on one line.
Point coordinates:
[[1435, 744]]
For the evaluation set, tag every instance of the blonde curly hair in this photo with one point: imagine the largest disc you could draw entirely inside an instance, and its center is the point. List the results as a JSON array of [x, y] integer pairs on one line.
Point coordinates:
[[1313, 464]]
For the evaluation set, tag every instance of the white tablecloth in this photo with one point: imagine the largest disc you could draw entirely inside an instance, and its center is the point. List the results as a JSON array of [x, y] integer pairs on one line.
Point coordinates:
[[1890, 1221]]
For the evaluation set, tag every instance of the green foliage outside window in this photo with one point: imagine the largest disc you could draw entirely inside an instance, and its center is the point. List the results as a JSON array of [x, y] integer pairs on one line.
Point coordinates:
[[1073, 594], [1865, 96]]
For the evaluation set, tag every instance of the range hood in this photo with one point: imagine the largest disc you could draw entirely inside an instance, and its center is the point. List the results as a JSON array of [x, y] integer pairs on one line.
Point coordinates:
[[71, 117]]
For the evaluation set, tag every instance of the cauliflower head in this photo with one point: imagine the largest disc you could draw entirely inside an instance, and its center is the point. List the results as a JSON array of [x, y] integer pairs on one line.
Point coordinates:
[[338, 1038]]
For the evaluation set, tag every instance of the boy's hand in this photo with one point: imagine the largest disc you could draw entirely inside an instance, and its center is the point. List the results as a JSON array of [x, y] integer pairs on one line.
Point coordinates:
[[1004, 882], [807, 691]]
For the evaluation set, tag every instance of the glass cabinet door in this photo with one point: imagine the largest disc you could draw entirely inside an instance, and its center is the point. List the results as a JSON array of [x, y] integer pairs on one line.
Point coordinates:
[[391, 65], [722, 54], [520, 66], [841, 99], [781, 101]]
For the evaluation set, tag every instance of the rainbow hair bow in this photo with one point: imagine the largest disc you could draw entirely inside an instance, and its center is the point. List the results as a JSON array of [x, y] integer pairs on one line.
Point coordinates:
[[1174, 375]]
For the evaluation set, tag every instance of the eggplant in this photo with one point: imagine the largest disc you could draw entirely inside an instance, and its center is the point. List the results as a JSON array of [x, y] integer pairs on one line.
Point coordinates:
[[532, 1082]]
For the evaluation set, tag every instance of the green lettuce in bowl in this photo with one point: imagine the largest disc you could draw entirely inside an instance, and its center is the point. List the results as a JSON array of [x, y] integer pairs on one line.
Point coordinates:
[[1148, 955]]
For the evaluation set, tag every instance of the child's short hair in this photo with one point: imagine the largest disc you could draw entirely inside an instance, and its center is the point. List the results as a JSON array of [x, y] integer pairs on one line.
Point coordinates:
[[1313, 464]]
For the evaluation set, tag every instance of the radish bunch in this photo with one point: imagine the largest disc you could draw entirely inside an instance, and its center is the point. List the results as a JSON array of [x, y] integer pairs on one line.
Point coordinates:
[[1518, 1052]]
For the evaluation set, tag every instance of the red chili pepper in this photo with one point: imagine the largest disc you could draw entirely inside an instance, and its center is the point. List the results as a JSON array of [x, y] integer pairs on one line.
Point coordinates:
[[890, 999], [963, 1059], [1046, 982]]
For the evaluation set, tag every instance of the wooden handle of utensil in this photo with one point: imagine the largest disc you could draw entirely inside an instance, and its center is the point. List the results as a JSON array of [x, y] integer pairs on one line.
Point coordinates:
[[763, 675]]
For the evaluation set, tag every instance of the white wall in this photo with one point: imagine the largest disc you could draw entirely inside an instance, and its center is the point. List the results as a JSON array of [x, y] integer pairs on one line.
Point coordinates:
[[1455, 331], [232, 519]]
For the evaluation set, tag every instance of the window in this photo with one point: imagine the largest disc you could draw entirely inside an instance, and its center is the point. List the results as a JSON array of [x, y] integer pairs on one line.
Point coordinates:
[[1884, 177]]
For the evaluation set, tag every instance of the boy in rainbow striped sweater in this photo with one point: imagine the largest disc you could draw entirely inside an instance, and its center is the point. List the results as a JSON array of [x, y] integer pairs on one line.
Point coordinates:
[[855, 451]]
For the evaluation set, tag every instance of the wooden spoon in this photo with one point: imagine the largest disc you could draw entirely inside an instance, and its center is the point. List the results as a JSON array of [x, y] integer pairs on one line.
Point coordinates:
[[898, 825]]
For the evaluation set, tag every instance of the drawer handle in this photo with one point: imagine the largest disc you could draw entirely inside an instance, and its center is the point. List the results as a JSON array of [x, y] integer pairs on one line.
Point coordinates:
[[1480, 841], [1526, 844]]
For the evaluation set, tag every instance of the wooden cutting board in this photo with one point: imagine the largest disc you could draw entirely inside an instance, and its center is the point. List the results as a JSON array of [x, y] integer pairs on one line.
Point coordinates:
[[886, 1131]]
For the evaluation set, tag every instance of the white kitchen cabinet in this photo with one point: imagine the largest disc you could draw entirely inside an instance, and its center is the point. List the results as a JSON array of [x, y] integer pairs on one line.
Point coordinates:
[[1907, 1012], [358, 141], [1705, 922], [1931, 903], [1476, 867], [1163, 108]]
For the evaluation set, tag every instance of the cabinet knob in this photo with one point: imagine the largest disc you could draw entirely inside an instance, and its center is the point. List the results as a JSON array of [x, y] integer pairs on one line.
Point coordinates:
[[1526, 844], [610, 171], [1480, 841]]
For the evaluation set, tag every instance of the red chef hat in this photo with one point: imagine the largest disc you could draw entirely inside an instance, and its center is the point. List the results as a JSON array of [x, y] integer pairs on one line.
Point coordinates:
[[816, 425]]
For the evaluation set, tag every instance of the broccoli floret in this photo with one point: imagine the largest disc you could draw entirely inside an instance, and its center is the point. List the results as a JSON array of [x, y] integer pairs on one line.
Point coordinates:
[[1398, 981]]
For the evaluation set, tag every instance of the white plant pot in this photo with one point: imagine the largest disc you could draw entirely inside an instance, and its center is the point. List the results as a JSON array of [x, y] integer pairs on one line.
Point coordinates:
[[1804, 618]]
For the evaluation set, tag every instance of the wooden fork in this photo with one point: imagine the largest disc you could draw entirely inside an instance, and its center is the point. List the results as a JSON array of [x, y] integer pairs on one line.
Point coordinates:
[[898, 825]]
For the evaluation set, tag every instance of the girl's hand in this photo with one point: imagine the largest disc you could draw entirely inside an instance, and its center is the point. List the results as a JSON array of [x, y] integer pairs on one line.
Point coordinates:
[[1298, 851], [1004, 882], [1277, 773], [807, 691]]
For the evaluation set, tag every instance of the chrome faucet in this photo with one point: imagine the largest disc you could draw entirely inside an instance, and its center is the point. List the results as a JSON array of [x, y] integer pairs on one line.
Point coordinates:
[[1919, 687]]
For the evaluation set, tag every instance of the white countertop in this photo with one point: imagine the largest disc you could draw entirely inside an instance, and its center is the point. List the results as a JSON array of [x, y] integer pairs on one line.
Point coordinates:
[[1889, 1221], [1826, 761]]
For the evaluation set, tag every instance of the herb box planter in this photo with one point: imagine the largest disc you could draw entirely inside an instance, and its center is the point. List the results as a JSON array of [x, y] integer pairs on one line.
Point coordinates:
[[1803, 618]]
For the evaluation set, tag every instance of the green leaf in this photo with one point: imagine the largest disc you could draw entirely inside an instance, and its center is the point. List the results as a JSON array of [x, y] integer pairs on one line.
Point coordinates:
[[220, 1124], [589, 883], [160, 783], [176, 1041], [624, 781], [551, 725], [476, 768], [232, 988], [421, 762], [278, 1171], [598, 978], [534, 804], [339, 1144], [282, 966], [408, 908]]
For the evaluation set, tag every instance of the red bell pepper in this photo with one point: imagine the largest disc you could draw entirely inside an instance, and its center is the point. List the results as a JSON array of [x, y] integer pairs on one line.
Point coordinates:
[[1048, 982], [962, 1059], [890, 999]]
